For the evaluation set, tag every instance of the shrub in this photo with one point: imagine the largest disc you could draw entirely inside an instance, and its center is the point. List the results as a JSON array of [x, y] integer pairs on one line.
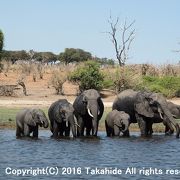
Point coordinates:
[[57, 81], [167, 85], [88, 76], [121, 78]]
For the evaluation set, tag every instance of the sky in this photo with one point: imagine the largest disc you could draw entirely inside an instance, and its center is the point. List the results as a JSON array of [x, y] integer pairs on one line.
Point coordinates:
[[53, 25]]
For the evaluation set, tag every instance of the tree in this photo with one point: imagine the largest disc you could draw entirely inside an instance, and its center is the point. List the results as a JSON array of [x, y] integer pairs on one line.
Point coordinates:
[[104, 61], [74, 55], [45, 57], [14, 56], [123, 42], [1, 42]]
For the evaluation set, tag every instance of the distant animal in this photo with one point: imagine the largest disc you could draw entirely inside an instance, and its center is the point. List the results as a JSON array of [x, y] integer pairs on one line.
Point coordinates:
[[116, 122], [89, 109], [28, 121], [61, 116]]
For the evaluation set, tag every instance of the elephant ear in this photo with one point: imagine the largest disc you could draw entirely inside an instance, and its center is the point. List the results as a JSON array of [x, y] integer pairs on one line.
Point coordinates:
[[84, 100], [30, 118], [101, 107], [142, 106], [80, 104]]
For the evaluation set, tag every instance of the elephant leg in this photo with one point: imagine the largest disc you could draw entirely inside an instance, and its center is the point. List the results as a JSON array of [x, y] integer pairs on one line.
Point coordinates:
[[80, 130], [116, 131], [88, 130], [67, 131], [149, 129], [112, 132], [167, 129], [55, 130], [142, 125], [26, 130], [126, 133], [108, 131], [35, 132], [18, 131], [61, 129]]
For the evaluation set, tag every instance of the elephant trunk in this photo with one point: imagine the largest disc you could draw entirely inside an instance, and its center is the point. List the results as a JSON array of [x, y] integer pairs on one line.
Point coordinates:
[[94, 128], [74, 130], [169, 119], [93, 112], [126, 126], [72, 121], [44, 122]]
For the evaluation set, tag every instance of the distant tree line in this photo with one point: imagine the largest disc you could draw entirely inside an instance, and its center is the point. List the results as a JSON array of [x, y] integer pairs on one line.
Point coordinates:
[[70, 55]]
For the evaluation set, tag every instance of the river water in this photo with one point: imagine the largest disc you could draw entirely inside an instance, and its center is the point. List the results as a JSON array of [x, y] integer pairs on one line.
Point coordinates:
[[89, 158]]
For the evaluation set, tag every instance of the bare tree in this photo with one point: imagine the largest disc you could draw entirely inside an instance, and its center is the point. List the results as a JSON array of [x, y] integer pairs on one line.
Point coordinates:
[[123, 42]]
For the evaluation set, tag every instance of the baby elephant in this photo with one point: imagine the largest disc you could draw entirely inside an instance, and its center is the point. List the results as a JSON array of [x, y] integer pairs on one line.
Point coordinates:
[[28, 120], [116, 122]]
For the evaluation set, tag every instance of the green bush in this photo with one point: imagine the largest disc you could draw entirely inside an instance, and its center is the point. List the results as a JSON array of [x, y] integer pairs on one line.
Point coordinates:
[[88, 76], [169, 86]]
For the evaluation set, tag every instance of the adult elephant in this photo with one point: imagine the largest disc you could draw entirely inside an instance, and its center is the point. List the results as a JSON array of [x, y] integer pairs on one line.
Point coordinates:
[[89, 109], [117, 122], [28, 120], [174, 109], [61, 116], [146, 108]]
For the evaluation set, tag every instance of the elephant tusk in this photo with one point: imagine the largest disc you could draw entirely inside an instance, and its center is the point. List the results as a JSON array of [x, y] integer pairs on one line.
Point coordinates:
[[161, 115], [77, 125], [66, 123], [89, 112], [98, 112]]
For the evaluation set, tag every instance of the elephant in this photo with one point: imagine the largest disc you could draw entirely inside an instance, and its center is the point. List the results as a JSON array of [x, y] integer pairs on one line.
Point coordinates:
[[62, 119], [146, 108], [28, 120], [89, 109], [174, 109], [116, 122]]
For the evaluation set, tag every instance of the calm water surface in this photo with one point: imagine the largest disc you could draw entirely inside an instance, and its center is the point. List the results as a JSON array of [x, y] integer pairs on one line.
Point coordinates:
[[150, 158]]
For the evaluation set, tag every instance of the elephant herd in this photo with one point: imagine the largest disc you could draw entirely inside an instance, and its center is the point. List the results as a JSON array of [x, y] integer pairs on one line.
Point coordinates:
[[144, 108]]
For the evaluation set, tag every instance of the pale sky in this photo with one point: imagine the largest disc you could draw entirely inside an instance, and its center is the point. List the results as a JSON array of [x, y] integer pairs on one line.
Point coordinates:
[[53, 25]]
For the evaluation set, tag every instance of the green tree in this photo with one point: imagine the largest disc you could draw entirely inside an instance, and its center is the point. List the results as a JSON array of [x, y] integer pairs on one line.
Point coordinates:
[[74, 55], [88, 76], [45, 57], [14, 56], [1, 42]]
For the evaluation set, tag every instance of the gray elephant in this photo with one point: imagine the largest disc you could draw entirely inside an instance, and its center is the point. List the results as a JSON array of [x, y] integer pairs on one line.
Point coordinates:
[[146, 108], [89, 109], [116, 122], [28, 120], [174, 109], [62, 119]]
